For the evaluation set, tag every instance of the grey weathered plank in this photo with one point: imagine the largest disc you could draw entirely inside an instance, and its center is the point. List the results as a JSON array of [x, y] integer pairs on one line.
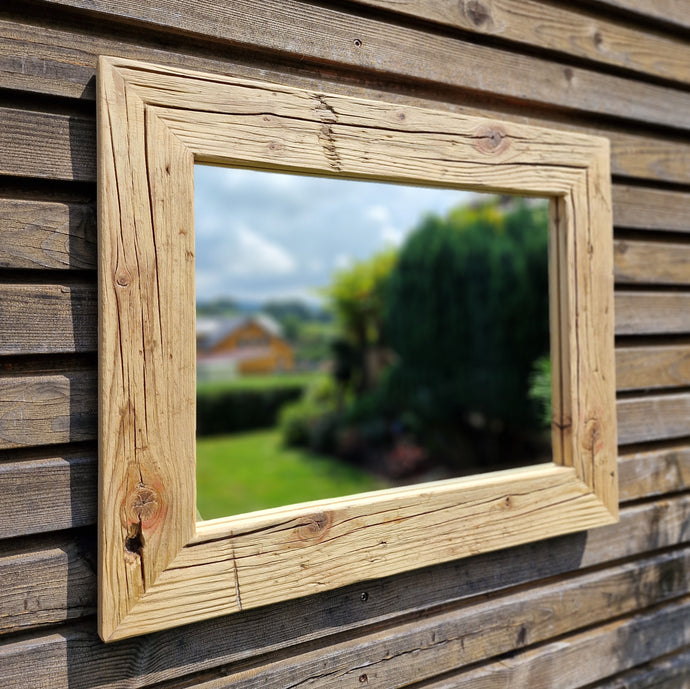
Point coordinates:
[[652, 313], [335, 36], [643, 419], [650, 209], [45, 582], [585, 658], [139, 662], [653, 263], [646, 473], [47, 494], [425, 648], [47, 145], [671, 672], [47, 409], [671, 11], [47, 234], [41, 319], [652, 367], [567, 30]]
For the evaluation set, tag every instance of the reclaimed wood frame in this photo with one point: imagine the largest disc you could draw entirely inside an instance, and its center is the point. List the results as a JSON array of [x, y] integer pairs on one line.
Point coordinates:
[[158, 566]]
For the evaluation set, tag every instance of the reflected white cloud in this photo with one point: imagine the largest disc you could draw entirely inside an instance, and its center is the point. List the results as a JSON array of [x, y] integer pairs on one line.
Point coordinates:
[[269, 235], [256, 255]]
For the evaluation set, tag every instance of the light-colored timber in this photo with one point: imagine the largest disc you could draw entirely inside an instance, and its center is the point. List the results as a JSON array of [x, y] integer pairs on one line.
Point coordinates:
[[162, 567], [575, 67], [298, 624]]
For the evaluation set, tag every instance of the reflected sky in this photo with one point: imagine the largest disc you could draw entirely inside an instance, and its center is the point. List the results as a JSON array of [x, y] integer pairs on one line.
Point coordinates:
[[262, 235]]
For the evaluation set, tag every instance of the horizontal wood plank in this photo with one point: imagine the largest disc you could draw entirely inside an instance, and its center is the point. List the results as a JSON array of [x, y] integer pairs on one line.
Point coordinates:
[[47, 145], [652, 313], [643, 419], [650, 209], [47, 494], [670, 11], [43, 319], [608, 650], [652, 263], [45, 234], [47, 409], [670, 672], [647, 473], [646, 367], [570, 31], [46, 582], [323, 33], [437, 644], [175, 653]]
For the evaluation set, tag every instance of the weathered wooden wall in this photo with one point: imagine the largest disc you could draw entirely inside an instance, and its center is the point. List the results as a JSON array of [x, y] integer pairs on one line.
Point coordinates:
[[608, 608]]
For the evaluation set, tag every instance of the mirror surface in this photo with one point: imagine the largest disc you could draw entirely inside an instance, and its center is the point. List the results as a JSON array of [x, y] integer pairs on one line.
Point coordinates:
[[353, 336]]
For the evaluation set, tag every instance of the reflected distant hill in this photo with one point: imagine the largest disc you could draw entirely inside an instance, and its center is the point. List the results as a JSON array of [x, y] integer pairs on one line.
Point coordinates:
[[227, 307]]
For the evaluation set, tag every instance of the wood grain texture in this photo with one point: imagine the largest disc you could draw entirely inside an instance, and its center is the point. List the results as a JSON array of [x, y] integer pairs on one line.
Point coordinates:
[[609, 650], [60, 60], [672, 11], [364, 43], [659, 417], [436, 644], [62, 55], [652, 313], [44, 234], [41, 319], [153, 122], [671, 672], [651, 209], [568, 30], [327, 618], [651, 263], [47, 494], [45, 582], [147, 480], [645, 473], [47, 409], [47, 145], [665, 366]]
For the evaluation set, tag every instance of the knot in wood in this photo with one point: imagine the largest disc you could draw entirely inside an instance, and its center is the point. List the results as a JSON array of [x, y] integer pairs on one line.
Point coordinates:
[[122, 279], [492, 139], [316, 527], [143, 504], [592, 435], [478, 13]]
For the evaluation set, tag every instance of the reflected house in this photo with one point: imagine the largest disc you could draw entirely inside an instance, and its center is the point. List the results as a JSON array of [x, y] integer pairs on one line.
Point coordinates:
[[241, 345]]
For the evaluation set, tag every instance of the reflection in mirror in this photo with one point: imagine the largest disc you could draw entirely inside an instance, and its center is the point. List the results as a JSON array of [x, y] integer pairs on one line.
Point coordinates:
[[353, 336]]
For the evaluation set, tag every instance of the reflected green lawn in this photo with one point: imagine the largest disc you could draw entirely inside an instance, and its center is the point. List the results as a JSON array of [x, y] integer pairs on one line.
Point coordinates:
[[252, 471]]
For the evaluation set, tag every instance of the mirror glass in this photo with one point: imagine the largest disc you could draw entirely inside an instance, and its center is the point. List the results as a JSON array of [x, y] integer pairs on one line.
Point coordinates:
[[354, 335]]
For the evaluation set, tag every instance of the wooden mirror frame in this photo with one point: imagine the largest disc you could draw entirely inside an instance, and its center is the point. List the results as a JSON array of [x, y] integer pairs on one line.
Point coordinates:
[[158, 567]]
